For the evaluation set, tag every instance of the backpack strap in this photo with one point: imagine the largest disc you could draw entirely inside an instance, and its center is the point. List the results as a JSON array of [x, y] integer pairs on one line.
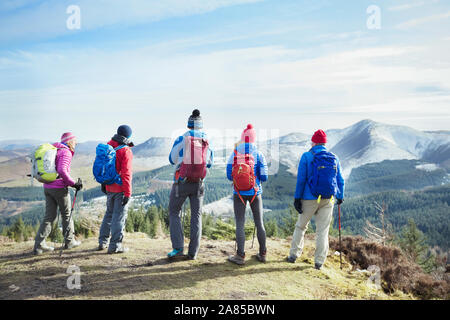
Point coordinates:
[[256, 192], [120, 147], [240, 197]]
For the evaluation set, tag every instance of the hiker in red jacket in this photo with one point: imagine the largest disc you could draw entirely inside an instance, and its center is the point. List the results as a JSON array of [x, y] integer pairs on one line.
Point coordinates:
[[118, 195]]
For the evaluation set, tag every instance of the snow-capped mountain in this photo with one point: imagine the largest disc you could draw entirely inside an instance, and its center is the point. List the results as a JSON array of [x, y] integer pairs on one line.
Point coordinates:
[[153, 147], [365, 142], [368, 141]]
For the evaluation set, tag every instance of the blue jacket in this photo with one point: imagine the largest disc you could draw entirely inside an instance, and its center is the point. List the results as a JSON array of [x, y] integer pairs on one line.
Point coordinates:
[[176, 154], [302, 190], [260, 168]]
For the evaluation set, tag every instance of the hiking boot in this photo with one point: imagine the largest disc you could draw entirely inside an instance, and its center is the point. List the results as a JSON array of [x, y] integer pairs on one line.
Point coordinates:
[[101, 247], [237, 259], [42, 248], [261, 257], [175, 253], [72, 244], [317, 266], [119, 250], [191, 257], [291, 259], [45, 247]]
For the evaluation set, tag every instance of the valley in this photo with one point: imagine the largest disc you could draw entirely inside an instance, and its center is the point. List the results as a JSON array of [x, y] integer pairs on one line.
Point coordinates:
[[376, 159]]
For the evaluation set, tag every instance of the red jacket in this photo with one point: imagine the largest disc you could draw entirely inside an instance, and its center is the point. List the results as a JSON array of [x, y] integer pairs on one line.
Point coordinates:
[[124, 158]]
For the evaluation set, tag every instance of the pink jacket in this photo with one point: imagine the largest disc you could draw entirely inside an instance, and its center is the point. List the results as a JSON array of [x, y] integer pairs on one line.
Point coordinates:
[[63, 160]]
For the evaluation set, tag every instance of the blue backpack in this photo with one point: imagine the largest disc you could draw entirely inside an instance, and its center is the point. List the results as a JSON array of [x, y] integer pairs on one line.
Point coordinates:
[[104, 169], [323, 181]]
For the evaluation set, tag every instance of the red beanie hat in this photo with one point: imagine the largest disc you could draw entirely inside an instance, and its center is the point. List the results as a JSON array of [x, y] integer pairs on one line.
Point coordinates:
[[319, 137], [249, 134]]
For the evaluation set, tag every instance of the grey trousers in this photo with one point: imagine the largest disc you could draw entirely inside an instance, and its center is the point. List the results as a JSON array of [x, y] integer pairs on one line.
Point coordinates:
[[195, 192], [113, 223], [55, 198], [239, 213]]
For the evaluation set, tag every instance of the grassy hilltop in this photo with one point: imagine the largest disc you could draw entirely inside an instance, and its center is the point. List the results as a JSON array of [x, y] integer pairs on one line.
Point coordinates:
[[145, 273]]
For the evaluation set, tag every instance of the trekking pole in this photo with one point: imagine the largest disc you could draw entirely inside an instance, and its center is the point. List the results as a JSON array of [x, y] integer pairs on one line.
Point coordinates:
[[183, 215], [70, 219], [340, 242], [254, 230]]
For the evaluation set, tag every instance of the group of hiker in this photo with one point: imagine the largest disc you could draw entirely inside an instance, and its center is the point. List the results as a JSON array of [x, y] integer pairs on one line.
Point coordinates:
[[319, 185]]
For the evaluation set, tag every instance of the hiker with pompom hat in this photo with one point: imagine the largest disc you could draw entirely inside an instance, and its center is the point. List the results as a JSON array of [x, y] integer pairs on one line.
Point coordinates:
[[319, 185], [57, 196], [247, 168], [118, 194], [191, 155]]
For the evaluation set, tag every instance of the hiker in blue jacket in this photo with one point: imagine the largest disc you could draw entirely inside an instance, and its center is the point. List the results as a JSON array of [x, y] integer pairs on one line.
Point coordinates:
[[309, 205], [253, 196], [188, 182]]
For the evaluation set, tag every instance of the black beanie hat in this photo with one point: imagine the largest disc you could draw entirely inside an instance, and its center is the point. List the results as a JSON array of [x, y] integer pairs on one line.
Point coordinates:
[[125, 131]]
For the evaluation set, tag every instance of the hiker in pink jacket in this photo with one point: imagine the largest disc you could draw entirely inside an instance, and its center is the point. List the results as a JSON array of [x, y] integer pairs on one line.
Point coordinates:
[[57, 195]]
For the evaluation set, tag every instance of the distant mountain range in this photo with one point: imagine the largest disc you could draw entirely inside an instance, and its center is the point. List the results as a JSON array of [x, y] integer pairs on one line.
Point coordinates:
[[364, 142], [368, 142], [154, 147], [6, 145]]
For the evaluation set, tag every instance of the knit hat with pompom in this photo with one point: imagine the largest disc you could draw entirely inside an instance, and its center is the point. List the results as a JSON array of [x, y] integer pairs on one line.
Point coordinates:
[[195, 121], [249, 134]]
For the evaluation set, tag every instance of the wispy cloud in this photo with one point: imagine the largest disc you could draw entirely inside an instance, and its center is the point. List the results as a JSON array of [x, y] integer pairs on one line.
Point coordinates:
[[420, 21], [100, 82], [280, 63], [48, 18], [411, 5]]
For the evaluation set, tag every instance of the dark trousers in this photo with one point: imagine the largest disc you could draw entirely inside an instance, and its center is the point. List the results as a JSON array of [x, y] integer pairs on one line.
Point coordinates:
[[239, 213], [193, 191]]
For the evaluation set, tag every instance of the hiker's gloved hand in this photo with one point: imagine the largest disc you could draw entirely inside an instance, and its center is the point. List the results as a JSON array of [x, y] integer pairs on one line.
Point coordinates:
[[125, 201], [298, 205], [339, 201], [78, 185], [104, 188]]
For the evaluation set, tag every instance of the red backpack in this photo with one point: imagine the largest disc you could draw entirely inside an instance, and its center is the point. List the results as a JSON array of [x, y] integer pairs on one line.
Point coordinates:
[[193, 167], [243, 174]]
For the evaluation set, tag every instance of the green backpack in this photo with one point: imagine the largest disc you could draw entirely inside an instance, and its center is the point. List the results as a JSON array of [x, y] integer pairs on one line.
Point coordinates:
[[43, 163]]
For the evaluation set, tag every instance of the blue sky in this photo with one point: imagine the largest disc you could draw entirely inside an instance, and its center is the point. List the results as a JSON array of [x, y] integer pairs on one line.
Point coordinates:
[[286, 65]]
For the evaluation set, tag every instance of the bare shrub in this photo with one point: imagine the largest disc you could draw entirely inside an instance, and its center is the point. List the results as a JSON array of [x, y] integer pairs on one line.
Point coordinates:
[[397, 271]]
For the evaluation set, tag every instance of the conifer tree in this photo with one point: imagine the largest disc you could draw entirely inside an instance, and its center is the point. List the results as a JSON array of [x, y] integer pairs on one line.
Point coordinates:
[[414, 243]]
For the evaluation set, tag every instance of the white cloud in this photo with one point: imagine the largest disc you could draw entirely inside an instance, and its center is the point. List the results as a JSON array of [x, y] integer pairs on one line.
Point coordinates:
[[419, 21], [147, 82], [259, 77]]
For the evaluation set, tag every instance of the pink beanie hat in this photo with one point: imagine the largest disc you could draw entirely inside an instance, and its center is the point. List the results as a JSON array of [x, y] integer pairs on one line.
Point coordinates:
[[66, 137], [249, 134]]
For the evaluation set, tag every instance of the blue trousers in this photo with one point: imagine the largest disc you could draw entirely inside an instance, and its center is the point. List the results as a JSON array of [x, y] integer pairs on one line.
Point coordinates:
[[113, 224]]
